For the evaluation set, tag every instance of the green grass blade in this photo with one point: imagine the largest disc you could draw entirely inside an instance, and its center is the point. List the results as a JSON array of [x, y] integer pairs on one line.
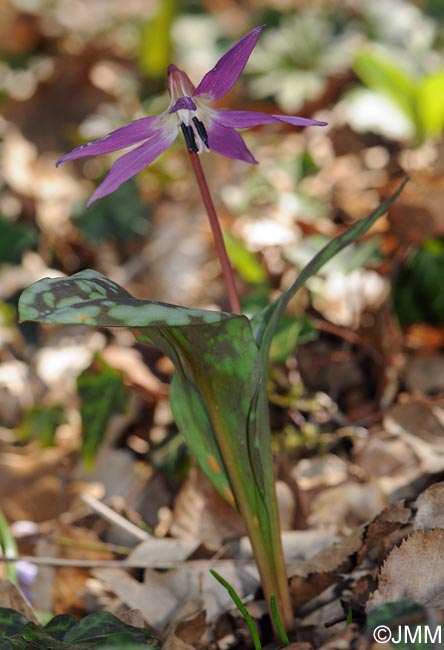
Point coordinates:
[[8, 548], [241, 607], [277, 621]]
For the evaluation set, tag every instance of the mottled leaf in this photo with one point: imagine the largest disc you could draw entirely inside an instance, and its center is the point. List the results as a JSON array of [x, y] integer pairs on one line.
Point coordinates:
[[99, 627], [37, 639], [58, 626], [11, 623], [96, 631], [218, 393]]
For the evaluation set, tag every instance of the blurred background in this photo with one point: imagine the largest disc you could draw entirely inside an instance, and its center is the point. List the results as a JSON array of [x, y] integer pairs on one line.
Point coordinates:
[[368, 328]]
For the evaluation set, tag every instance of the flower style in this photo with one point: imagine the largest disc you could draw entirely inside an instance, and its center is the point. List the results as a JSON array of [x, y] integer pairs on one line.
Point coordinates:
[[204, 128]]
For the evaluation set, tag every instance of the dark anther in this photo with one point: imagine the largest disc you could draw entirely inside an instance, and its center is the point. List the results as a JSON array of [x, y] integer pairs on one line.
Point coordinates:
[[201, 130], [189, 137]]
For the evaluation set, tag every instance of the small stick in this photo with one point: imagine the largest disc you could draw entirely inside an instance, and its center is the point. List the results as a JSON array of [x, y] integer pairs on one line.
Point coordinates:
[[114, 518]]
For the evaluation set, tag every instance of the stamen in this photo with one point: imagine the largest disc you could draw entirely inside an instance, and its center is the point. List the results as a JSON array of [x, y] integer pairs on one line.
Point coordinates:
[[189, 137], [201, 130]]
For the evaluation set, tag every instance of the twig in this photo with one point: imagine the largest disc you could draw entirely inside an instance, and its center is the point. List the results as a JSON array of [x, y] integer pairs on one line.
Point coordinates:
[[107, 513], [124, 564]]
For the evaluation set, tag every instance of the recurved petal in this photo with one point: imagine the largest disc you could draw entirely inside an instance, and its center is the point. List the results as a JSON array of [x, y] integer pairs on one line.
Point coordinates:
[[119, 139], [133, 162], [228, 143], [218, 81], [244, 119]]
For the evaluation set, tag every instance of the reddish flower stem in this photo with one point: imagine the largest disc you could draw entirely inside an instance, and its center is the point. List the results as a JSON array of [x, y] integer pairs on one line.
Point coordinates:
[[227, 269]]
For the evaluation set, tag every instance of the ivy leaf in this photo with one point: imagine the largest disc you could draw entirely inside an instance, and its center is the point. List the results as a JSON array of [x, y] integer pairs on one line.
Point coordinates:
[[102, 394]]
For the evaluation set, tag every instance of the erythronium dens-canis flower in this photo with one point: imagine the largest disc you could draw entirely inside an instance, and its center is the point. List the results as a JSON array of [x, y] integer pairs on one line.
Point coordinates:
[[204, 128]]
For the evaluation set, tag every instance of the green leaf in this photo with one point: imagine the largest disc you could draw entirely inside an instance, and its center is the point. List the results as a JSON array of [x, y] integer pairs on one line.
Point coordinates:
[[244, 261], [290, 333], [102, 394], [430, 102], [120, 217], [40, 423], [14, 240], [379, 72], [265, 322], [417, 294], [155, 44]]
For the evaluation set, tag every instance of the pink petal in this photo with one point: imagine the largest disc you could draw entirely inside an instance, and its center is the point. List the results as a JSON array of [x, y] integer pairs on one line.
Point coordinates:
[[243, 119], [133, 162], [228, 143], [119, 139], [218, 81]]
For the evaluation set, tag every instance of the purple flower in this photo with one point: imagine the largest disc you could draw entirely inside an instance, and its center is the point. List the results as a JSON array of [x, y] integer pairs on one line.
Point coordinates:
[[204, 128]]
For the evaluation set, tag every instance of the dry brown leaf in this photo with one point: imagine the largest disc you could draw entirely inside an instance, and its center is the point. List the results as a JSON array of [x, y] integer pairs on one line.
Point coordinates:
[[42, 473], [345, 506], [342, 640], [13, 598], [430, 508], [132, 617], [421, 425], [70, 582], [200, 513], [152, 552], [413, 571], [174, 643], [425, 374], [136, 372], [310, 578], [428, 338], [385, 531], [192, 628], [166, 596], [380, 455]]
